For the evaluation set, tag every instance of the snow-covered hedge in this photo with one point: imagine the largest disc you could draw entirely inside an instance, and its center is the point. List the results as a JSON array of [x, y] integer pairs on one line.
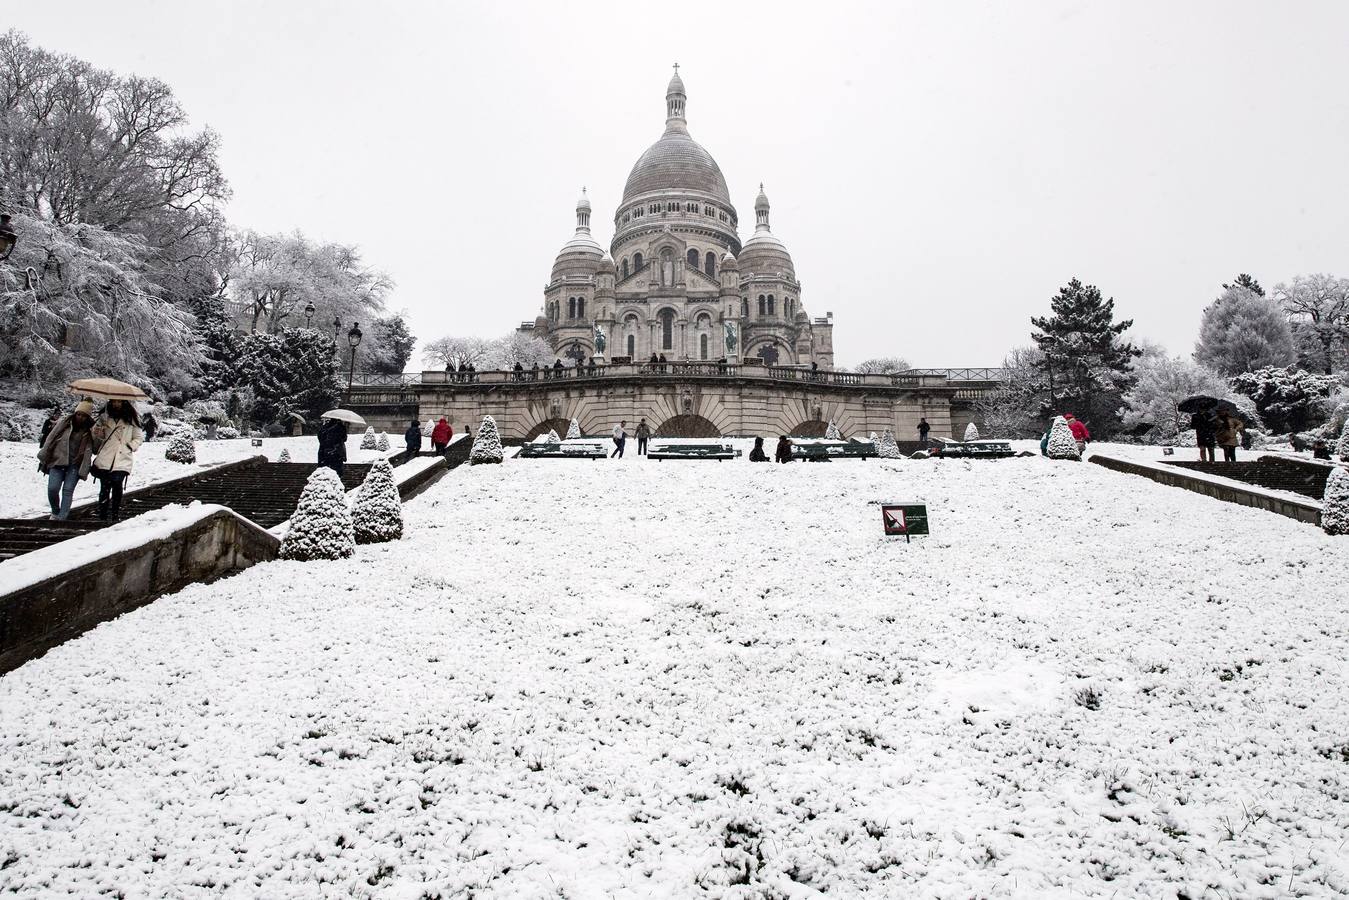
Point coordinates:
[[832, 433], [971, 432], [382, 442], [1344, 442], [285, 455], [368, 439], [321, 527], [181, 449], [1335, 503], [1062, 444], [552, 437], [573, 430], [886, 446], [377, 514], [487, 444]]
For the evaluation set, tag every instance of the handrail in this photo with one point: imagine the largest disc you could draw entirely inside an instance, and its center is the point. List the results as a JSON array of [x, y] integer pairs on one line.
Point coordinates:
[[679, 370]]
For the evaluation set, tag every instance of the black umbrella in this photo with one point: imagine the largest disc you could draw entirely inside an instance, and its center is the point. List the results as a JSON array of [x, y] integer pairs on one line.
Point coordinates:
[[1200, 404]]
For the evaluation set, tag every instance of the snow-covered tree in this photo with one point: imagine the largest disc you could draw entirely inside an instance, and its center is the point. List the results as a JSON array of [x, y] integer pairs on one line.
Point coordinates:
[[1335, 503], [456, 351], [1286, 399], [392, 347], [487, 443], [285, 455], [181, 449], [886, 447], [1344, 442], [293, 371], [382, 442], [1243, 331], [1318, 308], [428, 426], [1062, 444], [321, 527], [971, 432], [832, 433], [1161, 382], [552, 436], [377, 514], [573, 430], [517, 347], [882, 365], [368, 439], [1018, 405]]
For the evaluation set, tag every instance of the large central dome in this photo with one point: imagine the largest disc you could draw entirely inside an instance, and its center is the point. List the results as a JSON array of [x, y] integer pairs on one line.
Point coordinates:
[[676, 162]]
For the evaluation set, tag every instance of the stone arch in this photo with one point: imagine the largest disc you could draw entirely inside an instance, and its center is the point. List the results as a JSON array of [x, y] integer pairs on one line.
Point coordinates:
[[558, 425], [687, 425], [812, 428]]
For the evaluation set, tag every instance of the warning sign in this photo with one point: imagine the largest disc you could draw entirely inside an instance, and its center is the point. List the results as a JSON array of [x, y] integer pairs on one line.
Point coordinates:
[[904, 519]]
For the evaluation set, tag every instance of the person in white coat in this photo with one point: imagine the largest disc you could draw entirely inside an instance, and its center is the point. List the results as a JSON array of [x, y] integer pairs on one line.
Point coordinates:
[[620, 438], [117, 434]]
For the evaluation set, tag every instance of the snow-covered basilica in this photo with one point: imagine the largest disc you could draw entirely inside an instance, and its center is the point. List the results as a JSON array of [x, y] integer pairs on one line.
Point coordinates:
[[677, 282]]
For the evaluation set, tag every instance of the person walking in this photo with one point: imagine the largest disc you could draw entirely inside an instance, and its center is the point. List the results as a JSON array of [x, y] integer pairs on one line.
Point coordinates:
[[413, 437], [923, 430], [519, 371], [1079, 430], [620, 438], [48, 424], [149, 425], [1228, 434], [783, 453], [758, 454], [1204, 437], [441, 435], [643, 435], [66, 456], [333, 445], [117, 434]]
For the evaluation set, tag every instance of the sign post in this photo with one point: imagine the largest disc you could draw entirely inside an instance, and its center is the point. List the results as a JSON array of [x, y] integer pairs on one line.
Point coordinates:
[[905, 518]]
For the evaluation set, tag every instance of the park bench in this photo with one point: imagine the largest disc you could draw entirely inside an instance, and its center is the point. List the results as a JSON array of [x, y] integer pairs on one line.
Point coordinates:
[[692, 451], [820, 451], [568, 450], [973, 450]]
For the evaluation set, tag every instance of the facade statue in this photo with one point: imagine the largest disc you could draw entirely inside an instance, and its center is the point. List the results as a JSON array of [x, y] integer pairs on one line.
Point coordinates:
[[731, 338], [600, 339]]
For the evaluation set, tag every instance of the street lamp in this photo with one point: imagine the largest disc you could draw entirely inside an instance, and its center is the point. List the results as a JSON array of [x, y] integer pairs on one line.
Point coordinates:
[[308, 315], [354, 339], [8, 238]]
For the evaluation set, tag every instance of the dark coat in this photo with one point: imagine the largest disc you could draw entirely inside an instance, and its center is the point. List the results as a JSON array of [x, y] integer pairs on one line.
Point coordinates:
[[758, 454], [784, 450], [333, 444], [413, 437]]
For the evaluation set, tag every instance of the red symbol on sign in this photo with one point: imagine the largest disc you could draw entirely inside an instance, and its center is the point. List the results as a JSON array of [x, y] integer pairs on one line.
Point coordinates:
[[893, 517]]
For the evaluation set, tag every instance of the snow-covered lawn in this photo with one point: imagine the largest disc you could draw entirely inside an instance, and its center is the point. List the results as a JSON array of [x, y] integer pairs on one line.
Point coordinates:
[[630, 679], [23, 489]]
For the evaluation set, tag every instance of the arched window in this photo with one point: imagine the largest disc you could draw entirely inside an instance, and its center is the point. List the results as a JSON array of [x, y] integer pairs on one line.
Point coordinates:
[[763, 305], [744, 307], [637, 262], [702, 346], [771, 310], [693, 259], [580, 307], [571, 307], [667, 329], [711, 267], [632, 346], [625, 267]]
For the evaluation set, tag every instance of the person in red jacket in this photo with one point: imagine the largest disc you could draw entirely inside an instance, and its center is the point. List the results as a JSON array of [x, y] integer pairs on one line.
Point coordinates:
[[441, 435], [1079, 430]]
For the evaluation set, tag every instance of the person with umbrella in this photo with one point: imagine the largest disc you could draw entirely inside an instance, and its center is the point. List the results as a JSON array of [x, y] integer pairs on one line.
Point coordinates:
[[1227, 431], [117, 434], [333, 439], [66, 456]]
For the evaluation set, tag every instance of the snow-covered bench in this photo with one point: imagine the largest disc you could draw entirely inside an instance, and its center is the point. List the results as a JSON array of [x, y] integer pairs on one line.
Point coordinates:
[[817, 451], [716, 451], [573, 449], [973, 450]]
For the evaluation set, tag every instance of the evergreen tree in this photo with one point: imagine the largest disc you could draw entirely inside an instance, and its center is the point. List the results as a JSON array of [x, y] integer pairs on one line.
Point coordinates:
[[971, 432], [219, 344], [393, 347], [428, 426], [832, 433], [487, 444], [382, 442], [1335, 503], [1243, 331], [1085, 359], [1245, 281], [285, 456], [181, 449], [377, 514], [294, 371], [573, 430], [552, 436], [1344, 442], [1286, 399], [886, 447], [368, 439], [321, 527], [1062, 444]]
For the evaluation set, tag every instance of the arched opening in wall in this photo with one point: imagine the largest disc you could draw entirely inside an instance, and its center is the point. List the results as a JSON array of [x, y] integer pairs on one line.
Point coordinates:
[[580, 307], [744, 307], [702, 346], [625, 267], [693, 259], [688, 426], [666, 317], [632, 346], [763, 305], [558, 425], [813, 428], [637, 262], [711, 267], [771, 304], [571, 307]]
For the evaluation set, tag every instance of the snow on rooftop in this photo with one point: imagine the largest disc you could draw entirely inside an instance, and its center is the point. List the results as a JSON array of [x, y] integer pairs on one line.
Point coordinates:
[[615, 678]]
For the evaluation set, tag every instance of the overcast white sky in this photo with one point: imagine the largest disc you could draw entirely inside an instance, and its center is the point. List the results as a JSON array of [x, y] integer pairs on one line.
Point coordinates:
[[937, 170]]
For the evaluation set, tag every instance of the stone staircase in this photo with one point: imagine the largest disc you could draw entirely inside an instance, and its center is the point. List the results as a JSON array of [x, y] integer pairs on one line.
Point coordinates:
[[20, 536], [1278, 473]]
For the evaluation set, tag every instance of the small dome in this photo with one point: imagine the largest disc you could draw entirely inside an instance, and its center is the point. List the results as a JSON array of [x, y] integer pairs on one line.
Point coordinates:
[[764, 253], [728, 261], [584, 202]]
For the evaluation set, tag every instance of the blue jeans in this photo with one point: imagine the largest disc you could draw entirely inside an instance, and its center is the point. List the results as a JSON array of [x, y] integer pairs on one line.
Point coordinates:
[[61, 481]]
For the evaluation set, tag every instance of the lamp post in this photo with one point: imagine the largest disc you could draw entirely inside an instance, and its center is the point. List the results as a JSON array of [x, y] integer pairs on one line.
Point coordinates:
[[354, 339], [308, 315], [8, 238]]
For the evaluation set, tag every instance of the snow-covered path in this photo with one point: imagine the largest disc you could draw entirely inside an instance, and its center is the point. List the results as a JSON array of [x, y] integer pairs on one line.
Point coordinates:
[[594, 679]]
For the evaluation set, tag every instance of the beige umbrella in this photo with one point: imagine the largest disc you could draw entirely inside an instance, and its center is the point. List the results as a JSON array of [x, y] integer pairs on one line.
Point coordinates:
[[343, 415], [106, 389]]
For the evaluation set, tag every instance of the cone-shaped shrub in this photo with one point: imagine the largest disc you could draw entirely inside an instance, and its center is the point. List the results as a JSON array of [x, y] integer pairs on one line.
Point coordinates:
[[285, 455], [321, 527], [181, 449], [552, 436], [971, 432], [886, 448], [368, 439], [573, 430], [377, 514], [382, 442], [1335, 503], [427, 427], [1062, 444], [487, 445], [832, 433], [1344, 441]]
